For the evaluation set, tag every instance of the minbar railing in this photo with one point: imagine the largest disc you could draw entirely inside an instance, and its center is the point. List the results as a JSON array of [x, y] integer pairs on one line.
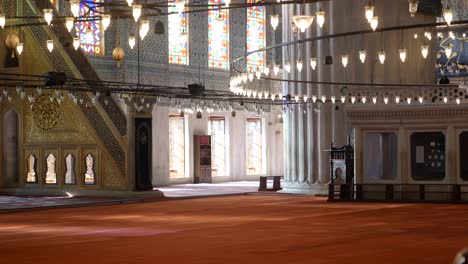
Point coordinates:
[[399, 192]]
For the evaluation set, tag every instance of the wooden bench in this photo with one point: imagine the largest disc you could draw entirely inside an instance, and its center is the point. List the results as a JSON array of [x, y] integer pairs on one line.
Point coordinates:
[[276, 183]]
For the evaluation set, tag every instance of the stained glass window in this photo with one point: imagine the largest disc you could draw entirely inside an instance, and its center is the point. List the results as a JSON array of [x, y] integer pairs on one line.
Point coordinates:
[[178, 36], [90, 32], [254, 146], [216, 128], [218, 35], [176, 147], [255, 36]]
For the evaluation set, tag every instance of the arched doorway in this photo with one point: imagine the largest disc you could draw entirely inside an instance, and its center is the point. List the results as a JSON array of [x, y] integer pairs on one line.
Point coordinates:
[[10, 148]]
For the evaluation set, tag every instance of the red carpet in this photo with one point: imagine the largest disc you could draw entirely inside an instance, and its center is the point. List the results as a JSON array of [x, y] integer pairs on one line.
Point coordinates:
[[240, 229]]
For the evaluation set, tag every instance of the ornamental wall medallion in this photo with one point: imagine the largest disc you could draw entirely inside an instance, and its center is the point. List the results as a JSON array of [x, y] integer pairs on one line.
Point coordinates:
[[46, 112]]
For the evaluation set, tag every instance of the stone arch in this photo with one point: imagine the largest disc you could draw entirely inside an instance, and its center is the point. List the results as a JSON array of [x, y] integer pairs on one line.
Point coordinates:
[[10, 151]]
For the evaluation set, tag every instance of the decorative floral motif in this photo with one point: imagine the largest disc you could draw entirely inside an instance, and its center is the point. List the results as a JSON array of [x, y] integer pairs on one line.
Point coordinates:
[[46, 112]]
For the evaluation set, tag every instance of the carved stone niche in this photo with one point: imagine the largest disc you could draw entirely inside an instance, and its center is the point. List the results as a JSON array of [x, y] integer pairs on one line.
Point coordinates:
[[89, 174], [51, 175]]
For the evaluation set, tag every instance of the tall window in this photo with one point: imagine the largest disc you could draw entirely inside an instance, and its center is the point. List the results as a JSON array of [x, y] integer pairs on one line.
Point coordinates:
[[90, 32], [254, 146], [176, 147], [178, 36], [218, 35], [255, 36], [216, 128]]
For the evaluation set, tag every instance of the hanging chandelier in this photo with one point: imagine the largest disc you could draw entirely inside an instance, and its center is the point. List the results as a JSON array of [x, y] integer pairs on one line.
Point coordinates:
[[48, 15], [75, 7], [274, 21], [303, 22], [413, 7], [320, 17], [374, 22], [131, 41], [69, 23], [136, 11], [362, 55]]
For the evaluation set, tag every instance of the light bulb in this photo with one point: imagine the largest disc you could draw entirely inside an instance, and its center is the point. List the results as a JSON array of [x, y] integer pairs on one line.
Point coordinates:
[[324, 99], [299, 65], [415, 35], [445, 99], [343, 99], [305, 98], [353, 99], [272, 97], [48, 15], [385, 100], [408, 100], [296, 98], [333, 99], [382, 57], [2, 20], [266, 70], [374, 22], [448, 16], [344, 60], [362, 56], [50, 45], [313, 63], [374, 100], [424, 51], [320, 17], [251, 76], [75, 7], [287, 66], [364, 99], [145, 26], [458, 100], [276, 69], [69, 23], [136, 11], [420, 99], [131, 42], [314, 98], [258, 74], [106, 19], [397, 99], [76, 43], [448, 51], [369, 12], [274, 21], [20, 48], [402, 53]]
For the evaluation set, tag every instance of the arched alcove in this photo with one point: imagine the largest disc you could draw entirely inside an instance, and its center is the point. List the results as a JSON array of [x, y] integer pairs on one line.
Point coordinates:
[[10, 149], [70, 177], [31, 163], [89, 175], [51, 175]]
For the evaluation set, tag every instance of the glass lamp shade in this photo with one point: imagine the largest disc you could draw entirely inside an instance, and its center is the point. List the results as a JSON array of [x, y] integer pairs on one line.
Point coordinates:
[[266, 71], [2, 20], [48, 15], [131, 42], [374, 22], [362, 56], [333, 99], [75, 7], [251, 76], [76, 43], [413, 7], [320, 18], [448, 16], [420, 99], [20, 48], [363, 99], [353, 99], [276, 69], [385, 100], [106, 19], [303, 22], [374, 100], [287, 66], [402, 53], [397, 99], [314, 98], [428, 35], [382, 57], [50, 45], [69, 23], [258, 74], [245, 77], [324, 98], [313, 63], [408, 100], [299, 65], [424, 51], [369, 12], [274, 21], [448, 51], [136, 12], [343, 99], [129, 2], [344, 60], [144, 29]]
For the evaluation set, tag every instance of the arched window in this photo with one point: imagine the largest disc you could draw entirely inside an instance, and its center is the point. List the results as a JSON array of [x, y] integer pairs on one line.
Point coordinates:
[[90, 33], [177, 29], [218, 35], [70, 173], [89, 175], [31, 176], [255, 36], [51, 176]]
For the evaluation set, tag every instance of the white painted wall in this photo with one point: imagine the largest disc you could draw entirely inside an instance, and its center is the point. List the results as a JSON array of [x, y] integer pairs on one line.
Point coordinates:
[[236, 158]]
